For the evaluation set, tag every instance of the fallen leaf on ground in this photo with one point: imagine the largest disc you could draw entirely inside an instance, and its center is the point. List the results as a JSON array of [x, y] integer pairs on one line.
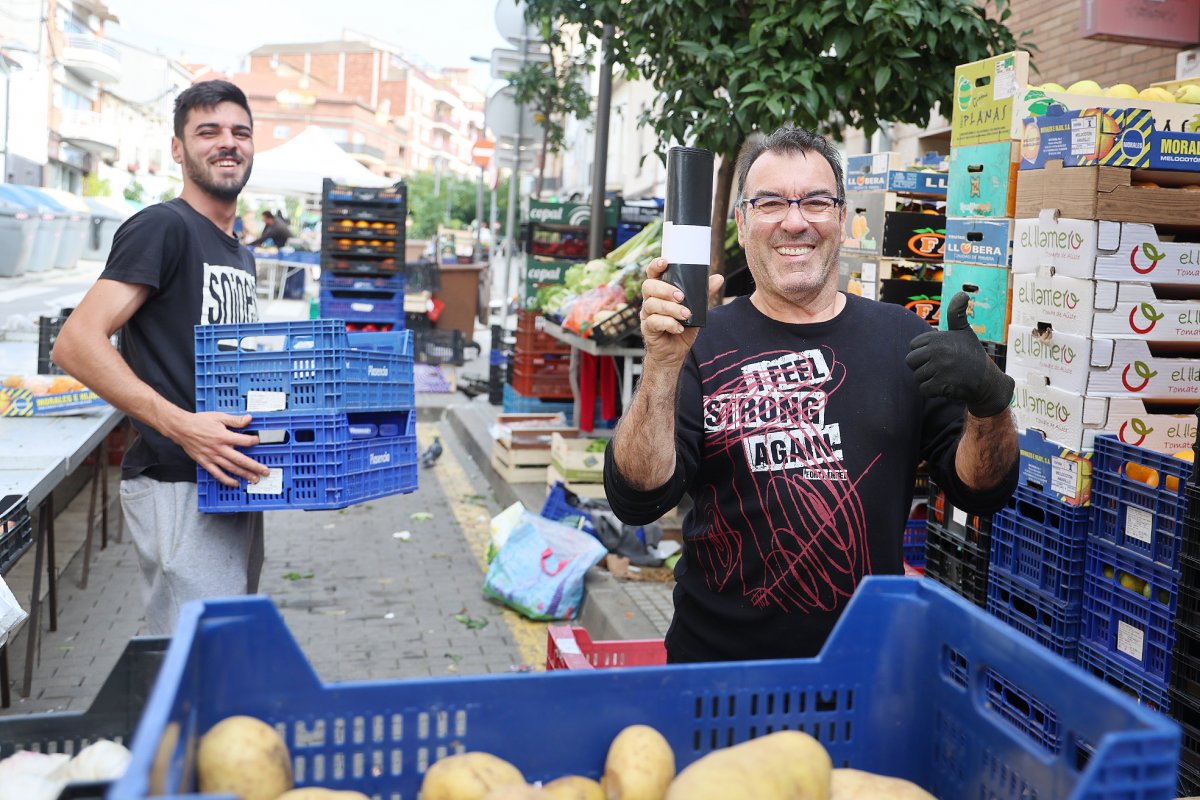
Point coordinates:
[[296, 576], [420, 516], [472, 623], [453, 657]]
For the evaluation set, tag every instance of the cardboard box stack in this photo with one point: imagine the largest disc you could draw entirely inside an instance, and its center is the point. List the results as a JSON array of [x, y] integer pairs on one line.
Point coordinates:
[[895, 230]]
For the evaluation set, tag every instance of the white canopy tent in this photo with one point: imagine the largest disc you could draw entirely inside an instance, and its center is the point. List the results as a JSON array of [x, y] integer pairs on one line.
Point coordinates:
[[299, 165]]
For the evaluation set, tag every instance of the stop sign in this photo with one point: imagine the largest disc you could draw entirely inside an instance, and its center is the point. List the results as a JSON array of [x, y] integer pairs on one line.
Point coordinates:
[[482, 152]]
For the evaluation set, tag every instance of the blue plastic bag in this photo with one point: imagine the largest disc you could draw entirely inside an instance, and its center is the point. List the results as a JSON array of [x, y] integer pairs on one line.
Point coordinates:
[[539, 571]]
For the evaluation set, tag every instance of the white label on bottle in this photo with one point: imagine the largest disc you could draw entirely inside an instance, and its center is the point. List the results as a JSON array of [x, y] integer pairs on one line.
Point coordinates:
[[686, 244], [1064, 477], [271, 484], [259, 400], [1139, 524], [1130, 640]]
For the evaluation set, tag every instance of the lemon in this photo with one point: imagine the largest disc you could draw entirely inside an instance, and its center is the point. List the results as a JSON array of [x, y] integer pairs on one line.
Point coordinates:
[[1084, 87], [1121, 90]]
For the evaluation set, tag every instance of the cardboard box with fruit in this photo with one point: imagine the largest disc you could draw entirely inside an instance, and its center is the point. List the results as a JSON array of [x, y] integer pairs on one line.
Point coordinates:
[[1109, 193], [44, 395], [1108, 136], [1174, 108], [984, 98], [1055, 471]]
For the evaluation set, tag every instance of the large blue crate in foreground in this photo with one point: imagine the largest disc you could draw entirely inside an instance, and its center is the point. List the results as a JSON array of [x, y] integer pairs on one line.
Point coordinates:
[[311, 365], [914, 682]]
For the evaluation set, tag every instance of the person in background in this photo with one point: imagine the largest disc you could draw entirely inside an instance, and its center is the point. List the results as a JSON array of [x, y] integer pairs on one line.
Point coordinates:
[[274, 231], [796, 420], [173, 266]]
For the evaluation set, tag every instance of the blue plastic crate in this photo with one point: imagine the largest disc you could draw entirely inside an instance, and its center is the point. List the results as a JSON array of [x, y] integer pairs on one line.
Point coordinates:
[[914, 542], [1147, 519], [1040, 542], [318, 461], [1036, 614], [363, 283], [516, 403], [363, 305], [1136, 630], [558, 509], [913, 682], [316, 364], [1147, 691]]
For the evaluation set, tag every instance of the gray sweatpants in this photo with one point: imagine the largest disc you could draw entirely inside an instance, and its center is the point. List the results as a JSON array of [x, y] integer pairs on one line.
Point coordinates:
[[186, 555]]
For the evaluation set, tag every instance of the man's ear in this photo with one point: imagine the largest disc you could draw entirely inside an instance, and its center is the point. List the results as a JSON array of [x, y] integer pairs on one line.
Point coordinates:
[[739, 218], [176, 149]]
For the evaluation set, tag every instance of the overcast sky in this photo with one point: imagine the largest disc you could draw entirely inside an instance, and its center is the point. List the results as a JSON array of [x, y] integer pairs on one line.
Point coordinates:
[[442, 33]]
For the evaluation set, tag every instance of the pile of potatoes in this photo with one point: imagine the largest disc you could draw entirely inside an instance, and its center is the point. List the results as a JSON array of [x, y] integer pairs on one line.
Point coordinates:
[[245, 757]]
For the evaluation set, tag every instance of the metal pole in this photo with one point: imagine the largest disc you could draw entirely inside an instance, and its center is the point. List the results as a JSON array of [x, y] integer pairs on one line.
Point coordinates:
[[600, 155], [5, 177], [513, 180], [479, 220]]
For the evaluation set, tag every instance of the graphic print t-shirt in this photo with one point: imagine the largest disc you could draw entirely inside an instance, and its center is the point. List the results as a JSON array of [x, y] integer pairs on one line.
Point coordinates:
[[800, 443], [198, 275]]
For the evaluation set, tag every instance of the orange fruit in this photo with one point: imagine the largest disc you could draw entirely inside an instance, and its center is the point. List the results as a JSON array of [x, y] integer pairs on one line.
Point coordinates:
[[1142, 474]]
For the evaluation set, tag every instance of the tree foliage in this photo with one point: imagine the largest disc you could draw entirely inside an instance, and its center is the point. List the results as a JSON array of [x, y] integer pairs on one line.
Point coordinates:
[[724, 69], [428, 196], [555, 89]]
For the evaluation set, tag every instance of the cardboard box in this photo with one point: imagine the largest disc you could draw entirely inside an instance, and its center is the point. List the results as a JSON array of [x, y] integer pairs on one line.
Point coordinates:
[[1106, 193], [1065, 304], [1068, 246], [984, 94], [508, 464], [869, 172], [922, 183], [1059, 357], [572, 459], [983, 180], [924, 298], [1120, 368], [1071, 420], [864, 221], [1108, 136], [1036, 102], [583, 489], [988, 289], [41, 395], [1055, 471], [979, 241], [1104, 250], [908, 234]]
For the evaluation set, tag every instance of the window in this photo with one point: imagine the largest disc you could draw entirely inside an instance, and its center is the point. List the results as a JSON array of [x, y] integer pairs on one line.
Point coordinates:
[[65, 98]]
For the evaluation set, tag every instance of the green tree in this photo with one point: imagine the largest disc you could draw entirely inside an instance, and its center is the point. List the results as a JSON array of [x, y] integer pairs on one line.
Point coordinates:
[[724, 69], [133, 191], [555, 89], [95, 186], [429, 198]]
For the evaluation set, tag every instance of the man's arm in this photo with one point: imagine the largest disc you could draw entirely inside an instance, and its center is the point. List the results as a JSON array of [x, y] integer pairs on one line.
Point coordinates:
[[987, 450], [83, 349]]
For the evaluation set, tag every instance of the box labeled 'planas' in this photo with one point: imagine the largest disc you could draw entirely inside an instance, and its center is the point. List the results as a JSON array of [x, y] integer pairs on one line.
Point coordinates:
[[301, 366], [984, 98], [915, 682], [320, 461]]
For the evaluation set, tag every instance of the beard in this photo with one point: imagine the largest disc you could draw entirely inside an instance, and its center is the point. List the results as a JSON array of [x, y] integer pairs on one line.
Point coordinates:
[[226, 189]]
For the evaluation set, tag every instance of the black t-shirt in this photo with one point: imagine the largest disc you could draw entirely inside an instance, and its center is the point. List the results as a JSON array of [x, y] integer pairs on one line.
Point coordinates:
[[198, 275], [277, 233], [799, 445]]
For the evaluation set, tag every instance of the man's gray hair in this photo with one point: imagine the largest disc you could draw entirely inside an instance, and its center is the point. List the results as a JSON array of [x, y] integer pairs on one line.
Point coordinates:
[[788, 140]]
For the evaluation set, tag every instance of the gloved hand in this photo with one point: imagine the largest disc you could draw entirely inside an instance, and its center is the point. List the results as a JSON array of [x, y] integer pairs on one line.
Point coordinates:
[[952, 363]]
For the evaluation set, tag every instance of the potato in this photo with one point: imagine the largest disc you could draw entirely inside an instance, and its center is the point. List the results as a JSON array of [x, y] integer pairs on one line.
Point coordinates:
[[468, 776], [522, 791], [317, 793], [245, 757], [854, 784], [640, 765], [574, 787], [785, 765]]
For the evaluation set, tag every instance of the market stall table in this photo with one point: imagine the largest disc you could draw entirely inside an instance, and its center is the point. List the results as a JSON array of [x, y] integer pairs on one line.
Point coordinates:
[[40, 452], [630, 357]]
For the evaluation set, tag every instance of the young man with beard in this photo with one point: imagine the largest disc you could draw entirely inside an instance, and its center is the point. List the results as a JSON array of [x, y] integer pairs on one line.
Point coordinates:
[[795, 420], [172, 266]]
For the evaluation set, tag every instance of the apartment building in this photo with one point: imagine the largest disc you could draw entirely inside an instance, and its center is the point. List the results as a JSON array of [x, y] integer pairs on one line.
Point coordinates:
[[392, 114]]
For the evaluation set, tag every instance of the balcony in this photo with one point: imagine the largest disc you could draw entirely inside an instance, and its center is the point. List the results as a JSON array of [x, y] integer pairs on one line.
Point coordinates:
[[365, 154], [91, 58], [89, 131]]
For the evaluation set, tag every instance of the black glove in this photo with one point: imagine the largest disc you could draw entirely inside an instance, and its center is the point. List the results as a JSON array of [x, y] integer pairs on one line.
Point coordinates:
[[952, 363]]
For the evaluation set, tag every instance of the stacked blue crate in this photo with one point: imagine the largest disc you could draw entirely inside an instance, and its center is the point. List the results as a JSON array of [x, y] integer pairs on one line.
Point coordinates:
[[1036, 568], [1184, 684], [1132, 575], [334, 412]]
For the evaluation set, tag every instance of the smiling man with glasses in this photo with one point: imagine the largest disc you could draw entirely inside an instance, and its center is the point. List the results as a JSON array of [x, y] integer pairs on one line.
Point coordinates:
[[795, 420]]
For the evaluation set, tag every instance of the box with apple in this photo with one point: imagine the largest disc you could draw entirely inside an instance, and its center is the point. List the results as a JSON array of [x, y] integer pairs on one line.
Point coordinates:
[[1108, 136], [1110, 193]]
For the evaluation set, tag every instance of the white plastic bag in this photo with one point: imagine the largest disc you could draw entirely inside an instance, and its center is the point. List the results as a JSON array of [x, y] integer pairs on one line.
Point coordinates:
[[11, 613]]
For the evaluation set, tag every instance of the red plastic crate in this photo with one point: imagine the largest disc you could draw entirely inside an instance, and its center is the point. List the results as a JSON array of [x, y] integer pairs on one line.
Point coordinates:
[[569, 647], [538, 376], [532, 340]]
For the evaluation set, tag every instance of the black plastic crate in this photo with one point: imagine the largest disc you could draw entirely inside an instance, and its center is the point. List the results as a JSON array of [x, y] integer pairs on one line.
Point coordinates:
[[16, 530], [423, 276], [335, 196], [416, 321], [113, 714], [432, 346], [973, 530], [622, 325], [996, 352], [956, 564], [48, 328]]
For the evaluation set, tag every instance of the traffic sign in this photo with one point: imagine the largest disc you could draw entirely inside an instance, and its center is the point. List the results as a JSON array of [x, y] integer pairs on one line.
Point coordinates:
[[510, 21], [505, 118], [482, 152], [505, 62]]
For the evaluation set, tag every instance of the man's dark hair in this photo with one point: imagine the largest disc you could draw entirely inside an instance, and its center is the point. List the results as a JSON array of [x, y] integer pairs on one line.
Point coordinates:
[[789, 140], [207, 94], [268, 215]]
